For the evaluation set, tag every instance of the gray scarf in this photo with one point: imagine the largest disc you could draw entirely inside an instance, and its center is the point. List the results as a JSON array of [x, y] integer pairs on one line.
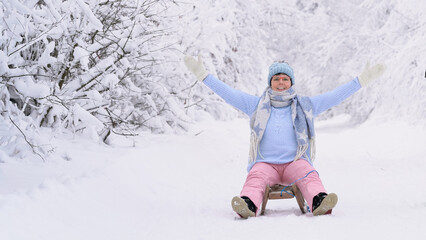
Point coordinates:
[[302, 116]]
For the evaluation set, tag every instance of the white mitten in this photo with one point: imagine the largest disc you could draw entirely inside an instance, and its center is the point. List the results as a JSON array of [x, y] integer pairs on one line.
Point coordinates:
[[371, 73], [196, 67]]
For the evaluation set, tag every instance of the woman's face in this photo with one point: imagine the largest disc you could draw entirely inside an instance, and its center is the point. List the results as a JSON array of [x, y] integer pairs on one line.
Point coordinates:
[[280, 82]]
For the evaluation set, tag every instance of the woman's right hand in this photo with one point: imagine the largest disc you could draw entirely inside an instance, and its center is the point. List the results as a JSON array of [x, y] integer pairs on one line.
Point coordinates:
[[196, 67]]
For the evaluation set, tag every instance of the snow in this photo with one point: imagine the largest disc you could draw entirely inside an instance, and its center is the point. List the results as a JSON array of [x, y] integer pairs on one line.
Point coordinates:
[[83, 119], [180, 186], [96, 24], [45, 59], [31, 89], [82, 55]]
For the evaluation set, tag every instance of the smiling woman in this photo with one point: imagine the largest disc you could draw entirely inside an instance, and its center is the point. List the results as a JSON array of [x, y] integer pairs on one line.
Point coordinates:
[[282, 141], [280, 82]]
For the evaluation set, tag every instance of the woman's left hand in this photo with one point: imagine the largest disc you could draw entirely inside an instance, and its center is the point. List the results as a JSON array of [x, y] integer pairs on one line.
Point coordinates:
[[371, 73]]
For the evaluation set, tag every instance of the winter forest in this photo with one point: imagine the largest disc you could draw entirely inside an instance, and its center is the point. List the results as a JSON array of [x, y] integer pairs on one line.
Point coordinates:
[[99, 71], [105, 68]]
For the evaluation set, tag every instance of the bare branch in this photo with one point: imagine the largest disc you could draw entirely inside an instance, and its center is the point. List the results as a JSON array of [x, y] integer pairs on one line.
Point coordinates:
[[26, 140]]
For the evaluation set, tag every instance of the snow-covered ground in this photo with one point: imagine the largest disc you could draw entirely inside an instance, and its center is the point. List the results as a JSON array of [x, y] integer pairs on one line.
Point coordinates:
[[180, 187]]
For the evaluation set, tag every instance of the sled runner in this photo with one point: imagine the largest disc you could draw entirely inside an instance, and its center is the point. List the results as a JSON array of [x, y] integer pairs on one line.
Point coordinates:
[[276, 192]]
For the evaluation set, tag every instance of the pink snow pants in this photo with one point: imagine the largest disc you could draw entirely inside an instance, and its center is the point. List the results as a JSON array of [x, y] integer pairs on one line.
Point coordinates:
[[266, 173]]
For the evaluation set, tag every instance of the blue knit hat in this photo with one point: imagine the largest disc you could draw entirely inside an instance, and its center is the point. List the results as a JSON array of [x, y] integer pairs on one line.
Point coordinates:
[[280, 67]]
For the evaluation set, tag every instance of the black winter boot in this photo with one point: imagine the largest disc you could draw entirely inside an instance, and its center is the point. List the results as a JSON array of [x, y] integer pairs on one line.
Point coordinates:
[[323, 203], [243, 206]]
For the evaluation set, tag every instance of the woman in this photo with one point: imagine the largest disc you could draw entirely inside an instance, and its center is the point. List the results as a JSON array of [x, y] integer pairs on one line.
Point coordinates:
[[282, 144]]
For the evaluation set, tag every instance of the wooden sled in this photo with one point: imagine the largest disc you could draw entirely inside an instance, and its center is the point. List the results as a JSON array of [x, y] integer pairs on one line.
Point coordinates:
[[275, 192]]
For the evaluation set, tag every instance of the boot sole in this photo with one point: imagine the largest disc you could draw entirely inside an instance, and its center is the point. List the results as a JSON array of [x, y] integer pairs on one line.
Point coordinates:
[[241, 208], [327, 204]]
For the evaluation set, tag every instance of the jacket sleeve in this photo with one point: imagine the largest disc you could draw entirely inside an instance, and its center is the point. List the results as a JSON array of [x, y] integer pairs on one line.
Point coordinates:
[[330, 99], [245, 102]]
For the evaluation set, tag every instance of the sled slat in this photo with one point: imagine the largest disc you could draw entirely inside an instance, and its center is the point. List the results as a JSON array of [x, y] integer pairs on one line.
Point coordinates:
[[275, 192], [278, 195]]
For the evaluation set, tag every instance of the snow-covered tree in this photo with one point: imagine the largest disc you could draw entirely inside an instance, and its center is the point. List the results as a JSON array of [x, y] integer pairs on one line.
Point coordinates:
[[86, 66], [105, 67]]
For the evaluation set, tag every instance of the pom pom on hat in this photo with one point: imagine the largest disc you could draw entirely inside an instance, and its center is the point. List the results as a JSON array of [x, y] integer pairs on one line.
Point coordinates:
[[280, 67]]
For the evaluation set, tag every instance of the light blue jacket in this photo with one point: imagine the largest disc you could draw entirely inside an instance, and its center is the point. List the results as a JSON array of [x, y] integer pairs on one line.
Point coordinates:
[[278, 145]]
